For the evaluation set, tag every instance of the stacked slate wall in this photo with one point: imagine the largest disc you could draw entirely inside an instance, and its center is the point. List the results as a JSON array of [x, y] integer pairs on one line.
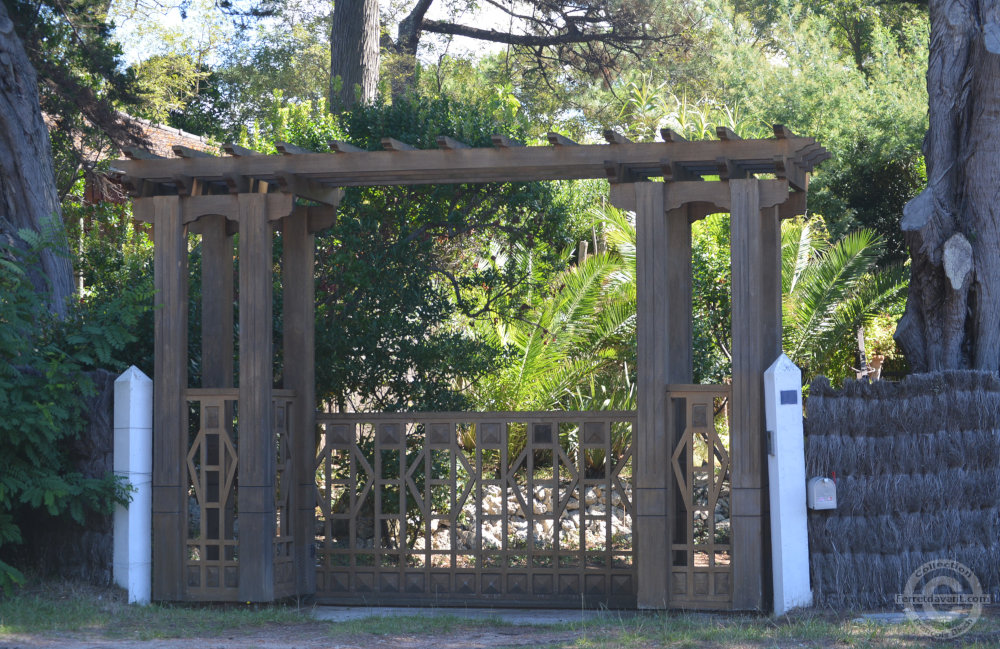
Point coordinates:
[[918, 478]]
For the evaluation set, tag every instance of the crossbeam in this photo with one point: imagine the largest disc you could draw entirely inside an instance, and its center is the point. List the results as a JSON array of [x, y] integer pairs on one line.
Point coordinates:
[[498, 164]]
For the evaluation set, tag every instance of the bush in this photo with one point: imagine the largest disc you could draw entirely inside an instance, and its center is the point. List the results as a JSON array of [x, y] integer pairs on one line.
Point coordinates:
[[42, 390]]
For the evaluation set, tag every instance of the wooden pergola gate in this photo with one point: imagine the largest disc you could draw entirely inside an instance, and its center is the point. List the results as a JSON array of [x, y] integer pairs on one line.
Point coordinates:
[[234, 478]]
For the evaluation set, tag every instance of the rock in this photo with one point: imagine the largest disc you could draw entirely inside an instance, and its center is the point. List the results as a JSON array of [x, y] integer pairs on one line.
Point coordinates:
[[592, 495], [539, 507], [597, 509], [573, 504]]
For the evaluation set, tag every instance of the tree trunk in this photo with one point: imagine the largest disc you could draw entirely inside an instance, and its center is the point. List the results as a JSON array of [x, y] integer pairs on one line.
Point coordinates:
[[952, 228], [354, 52], [28, 198]]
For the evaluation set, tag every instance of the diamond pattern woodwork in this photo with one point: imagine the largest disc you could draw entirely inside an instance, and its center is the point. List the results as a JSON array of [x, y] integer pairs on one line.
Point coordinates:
[[427, 505]]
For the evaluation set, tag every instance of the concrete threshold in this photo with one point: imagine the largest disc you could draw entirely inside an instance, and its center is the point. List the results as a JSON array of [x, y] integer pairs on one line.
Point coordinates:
[[504, 616]]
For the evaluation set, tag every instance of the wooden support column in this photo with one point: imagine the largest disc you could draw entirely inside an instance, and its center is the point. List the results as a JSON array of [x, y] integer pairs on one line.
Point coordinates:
[[663, 327], [216, 303], [756, 331], [299, 249], [256, 447], [170, 268]]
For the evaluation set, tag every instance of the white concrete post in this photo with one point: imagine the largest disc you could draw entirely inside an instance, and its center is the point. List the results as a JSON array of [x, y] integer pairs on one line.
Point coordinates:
[[786, 465], [133, 460]]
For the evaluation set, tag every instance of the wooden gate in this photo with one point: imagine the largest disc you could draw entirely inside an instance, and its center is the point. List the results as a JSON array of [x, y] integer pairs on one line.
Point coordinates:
[[701, 547], [510, 509]]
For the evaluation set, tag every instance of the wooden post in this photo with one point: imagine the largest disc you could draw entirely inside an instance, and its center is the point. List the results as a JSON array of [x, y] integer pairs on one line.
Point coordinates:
[[216, 303], [663, 327], [756, 331], [256, 451], [299, 372], [170, 269]]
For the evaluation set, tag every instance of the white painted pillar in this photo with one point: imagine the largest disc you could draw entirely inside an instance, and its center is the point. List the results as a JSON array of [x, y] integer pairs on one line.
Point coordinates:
[[786, 465], [133, 460]]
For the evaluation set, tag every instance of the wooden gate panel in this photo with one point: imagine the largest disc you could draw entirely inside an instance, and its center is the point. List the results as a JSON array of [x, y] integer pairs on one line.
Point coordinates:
[[448, 508], [701, 564]]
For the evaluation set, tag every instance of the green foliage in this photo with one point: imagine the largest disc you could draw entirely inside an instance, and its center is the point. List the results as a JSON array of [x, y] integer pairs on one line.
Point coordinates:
[[398, 278], [830, 290], [42, 391], [710, 299]]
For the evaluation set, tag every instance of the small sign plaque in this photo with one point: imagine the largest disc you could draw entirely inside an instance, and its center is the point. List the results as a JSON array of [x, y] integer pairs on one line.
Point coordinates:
[[789, 397]]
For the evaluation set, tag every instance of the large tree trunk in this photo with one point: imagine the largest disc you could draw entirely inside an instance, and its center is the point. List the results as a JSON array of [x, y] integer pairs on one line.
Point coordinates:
[[354, 52], [952, 317], [28, 198]]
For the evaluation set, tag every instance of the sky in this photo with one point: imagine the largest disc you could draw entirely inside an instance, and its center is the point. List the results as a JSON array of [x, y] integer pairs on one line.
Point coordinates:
[[148, 27]]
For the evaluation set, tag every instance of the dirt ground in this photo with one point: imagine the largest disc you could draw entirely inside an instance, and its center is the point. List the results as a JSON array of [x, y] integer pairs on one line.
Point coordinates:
[[313, 636]]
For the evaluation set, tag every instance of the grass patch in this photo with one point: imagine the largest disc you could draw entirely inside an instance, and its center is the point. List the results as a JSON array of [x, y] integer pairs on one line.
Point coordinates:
[[67, 608], [60, 607]]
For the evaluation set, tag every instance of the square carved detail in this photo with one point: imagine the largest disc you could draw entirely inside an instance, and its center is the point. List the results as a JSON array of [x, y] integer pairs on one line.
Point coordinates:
[[517, 584], [489, 434], [440, 583], [414, 582], [340, 434], [594, 432], [492, 584], [542, 433], [679, 583], [389, 434], [439, 434], [541, 584], [569, 584], [699, 416], [621, 585], [701, 583], [465, 583], [211, 416]]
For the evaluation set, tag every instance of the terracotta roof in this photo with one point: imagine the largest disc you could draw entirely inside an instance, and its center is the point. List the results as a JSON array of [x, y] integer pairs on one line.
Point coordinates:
[[163, 138]]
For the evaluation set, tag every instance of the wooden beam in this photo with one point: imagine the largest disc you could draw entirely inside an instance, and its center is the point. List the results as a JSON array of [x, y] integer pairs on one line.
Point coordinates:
[[504, 142], [782, 132], [310, 190], [257, 462], [679, 194], [238, 151], [298, 347], [392, 144], [344, 147], [555, 139], [614, 137], [756, 333], [622, 196], [188, 152], [495, 164], [727, 134], [450, 143], [321, 217], [136, 153], [284, 148], [670, 135], [170, 381]]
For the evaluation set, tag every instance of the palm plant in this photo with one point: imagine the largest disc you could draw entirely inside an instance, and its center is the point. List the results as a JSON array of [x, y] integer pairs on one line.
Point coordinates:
[[829, 291]]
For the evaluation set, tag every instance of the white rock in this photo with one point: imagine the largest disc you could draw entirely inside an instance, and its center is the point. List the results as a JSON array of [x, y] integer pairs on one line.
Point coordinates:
[[573, 504]]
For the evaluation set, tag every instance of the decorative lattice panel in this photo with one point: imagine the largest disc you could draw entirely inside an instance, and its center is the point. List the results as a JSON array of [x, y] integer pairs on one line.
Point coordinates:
[[212, 569], [701, 549], [212, 559], [510, 508]]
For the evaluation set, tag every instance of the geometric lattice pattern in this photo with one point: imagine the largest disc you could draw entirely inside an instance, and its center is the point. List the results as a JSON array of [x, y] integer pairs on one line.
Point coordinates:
[[450, 508], [212, 568], [701, 550], [212, 561]]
